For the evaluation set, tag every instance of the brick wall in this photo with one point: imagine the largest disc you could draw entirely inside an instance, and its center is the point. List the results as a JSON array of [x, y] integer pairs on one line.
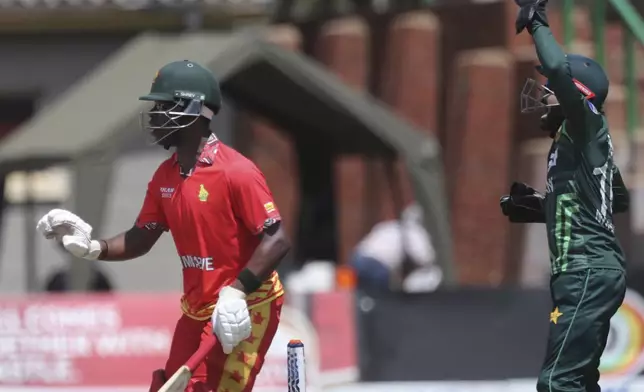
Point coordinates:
[[455, 73]]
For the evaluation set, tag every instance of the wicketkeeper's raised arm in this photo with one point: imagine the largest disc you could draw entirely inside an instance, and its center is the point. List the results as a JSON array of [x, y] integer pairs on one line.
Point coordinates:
[[556, 68], [554, 64]]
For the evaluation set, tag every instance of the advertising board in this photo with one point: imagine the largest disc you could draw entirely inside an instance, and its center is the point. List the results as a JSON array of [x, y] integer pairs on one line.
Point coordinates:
[[114, 342]]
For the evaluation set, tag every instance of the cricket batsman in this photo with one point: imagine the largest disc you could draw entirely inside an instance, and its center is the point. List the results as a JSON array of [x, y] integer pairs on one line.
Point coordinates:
[[225, 225], [583, 190]]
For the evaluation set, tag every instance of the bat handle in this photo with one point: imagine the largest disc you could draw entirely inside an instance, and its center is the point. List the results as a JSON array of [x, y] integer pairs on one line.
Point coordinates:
[[201, 353]]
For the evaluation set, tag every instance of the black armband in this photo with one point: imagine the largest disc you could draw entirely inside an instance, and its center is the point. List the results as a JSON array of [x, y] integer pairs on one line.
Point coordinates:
[[249, 280]]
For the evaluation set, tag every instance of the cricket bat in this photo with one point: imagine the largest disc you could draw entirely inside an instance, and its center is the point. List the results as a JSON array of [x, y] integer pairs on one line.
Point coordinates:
[[180, 378]]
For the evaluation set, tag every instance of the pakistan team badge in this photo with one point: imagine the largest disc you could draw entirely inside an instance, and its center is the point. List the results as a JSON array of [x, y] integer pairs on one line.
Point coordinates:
[[554, 315], [623, 359], [203, 193]]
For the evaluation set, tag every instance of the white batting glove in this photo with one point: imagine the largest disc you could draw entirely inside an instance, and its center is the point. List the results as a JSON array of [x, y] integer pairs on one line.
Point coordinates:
[[230, 319], [73, 232]]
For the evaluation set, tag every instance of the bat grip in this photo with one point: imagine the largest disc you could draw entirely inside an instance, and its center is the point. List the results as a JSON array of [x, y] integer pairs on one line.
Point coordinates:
[[201, 353]]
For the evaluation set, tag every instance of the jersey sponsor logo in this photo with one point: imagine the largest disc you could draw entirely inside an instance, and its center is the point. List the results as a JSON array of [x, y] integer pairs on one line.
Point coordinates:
[[166, 193], [202, 263], [203, 193], [584, 90], [269, 207], [189, 95]]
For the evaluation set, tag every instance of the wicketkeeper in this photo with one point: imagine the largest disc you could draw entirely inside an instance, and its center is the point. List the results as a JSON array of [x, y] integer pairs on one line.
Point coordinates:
[[583, 191]]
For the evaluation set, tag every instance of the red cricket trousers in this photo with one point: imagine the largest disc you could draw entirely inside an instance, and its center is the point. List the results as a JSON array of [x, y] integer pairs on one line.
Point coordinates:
[[219, 372]]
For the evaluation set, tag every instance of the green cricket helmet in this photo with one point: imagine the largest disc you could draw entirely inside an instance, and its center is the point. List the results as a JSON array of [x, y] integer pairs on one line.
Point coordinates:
[[589, 77], [182, 92]]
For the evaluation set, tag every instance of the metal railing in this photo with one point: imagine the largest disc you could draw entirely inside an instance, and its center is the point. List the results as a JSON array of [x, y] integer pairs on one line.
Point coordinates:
[[633, 26], [633, 35]]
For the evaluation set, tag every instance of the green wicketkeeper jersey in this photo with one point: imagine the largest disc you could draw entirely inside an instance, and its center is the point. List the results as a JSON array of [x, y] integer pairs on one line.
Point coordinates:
[[579, 186]]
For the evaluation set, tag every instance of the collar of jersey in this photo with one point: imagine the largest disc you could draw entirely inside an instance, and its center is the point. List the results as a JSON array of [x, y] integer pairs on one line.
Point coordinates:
[[208, 154], [562, 132]]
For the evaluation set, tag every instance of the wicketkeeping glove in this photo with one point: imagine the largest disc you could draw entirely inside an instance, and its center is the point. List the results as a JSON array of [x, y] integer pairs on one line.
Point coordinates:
[[523, 204], [73, 232], [230, 319], [529, 11]]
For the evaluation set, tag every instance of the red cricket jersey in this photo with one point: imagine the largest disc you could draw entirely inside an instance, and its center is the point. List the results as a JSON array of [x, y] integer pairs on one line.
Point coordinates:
[[214, 216]]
